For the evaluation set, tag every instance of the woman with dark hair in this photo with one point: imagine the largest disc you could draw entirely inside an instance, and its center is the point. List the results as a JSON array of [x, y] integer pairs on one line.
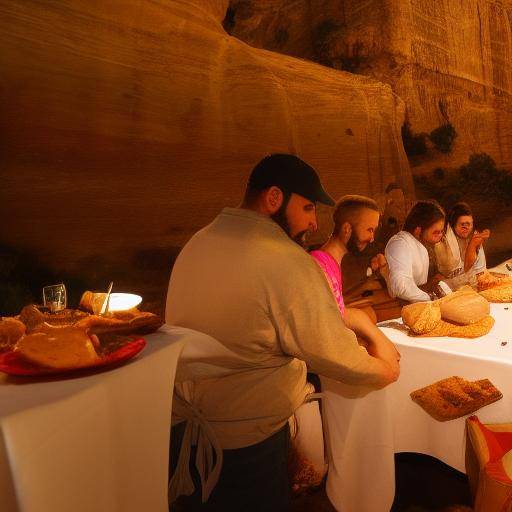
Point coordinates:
[[407, 255], [460, 255]]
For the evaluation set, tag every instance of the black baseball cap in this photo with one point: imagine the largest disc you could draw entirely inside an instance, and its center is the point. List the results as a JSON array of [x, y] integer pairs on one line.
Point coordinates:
[[290, 174]]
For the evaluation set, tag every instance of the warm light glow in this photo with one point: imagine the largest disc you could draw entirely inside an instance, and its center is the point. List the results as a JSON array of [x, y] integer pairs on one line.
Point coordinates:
[[123, 301]]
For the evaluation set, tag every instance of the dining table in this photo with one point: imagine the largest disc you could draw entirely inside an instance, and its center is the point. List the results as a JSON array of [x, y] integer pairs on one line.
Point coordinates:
[[91, 441], [364, 428]]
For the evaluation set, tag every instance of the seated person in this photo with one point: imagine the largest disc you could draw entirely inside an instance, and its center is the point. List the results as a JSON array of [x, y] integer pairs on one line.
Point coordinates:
[[407, 255], [356, 219], [460, 255]]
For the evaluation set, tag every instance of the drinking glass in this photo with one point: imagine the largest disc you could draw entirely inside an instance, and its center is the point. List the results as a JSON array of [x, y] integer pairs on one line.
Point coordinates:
[[54, 297]]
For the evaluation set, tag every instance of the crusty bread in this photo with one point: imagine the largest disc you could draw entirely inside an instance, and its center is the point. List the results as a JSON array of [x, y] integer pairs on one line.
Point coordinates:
[[421, 317], [58, 347], [502, 292], [11, 330], [461, 314], [454, 397], [122, 322], [486, 280], [31, 317], [464, 307]]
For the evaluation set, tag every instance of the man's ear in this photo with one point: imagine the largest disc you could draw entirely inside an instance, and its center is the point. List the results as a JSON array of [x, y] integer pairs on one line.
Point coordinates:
[[346, 231], [416, 232], [273, 199]]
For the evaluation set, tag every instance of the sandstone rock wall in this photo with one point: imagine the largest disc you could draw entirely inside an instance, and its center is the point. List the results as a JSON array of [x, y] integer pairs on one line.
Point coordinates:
[[127, 125], [450, 61]]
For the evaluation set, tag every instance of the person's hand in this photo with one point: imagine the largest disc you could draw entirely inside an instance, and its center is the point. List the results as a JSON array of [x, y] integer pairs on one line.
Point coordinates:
[[431, 286], [479, 237], [379, 264]]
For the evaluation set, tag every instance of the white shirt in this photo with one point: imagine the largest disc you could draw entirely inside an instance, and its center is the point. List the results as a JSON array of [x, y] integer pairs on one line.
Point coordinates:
[[408, 267], [450, 255]]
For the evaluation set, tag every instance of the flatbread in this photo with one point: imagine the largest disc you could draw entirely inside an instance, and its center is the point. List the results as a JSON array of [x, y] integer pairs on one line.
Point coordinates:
[[454, 397], [58, 347]]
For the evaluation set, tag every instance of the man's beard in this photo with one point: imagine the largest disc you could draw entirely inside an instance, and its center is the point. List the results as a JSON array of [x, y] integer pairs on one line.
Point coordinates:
[[352, 244], [280, 218]]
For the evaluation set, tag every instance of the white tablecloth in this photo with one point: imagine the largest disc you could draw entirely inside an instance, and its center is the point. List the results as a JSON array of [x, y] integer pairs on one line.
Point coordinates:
[[96, 443], [363, 434]]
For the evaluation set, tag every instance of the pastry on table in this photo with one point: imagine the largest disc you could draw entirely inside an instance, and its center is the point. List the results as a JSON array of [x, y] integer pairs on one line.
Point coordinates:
[[421, 317], [461, 314], [474, 330], [464, 306], [501, 292], [121, 322], [454, 397], [32, 317], [58, 347], [11, 330]]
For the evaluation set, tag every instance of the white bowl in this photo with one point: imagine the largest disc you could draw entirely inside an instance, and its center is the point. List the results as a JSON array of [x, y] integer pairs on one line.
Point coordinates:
[[123, 301]]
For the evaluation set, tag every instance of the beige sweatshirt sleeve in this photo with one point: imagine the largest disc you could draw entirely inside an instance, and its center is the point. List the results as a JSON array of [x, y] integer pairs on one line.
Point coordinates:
[[310, 327]]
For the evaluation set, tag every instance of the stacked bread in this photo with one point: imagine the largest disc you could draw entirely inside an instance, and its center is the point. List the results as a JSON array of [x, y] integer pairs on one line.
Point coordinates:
[[462, 314]]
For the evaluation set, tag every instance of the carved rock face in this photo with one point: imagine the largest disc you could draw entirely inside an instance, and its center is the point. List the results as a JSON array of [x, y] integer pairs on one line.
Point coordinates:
[[451, 62], [128, 126]]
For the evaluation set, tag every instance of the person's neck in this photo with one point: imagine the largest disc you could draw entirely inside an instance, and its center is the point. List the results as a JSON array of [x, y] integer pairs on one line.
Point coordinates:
[[336, 248]]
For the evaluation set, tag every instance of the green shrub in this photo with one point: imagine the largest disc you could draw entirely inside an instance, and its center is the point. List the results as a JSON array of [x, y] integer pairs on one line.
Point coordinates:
[[415, 144], [480, 169], [443, 136], [478, 177]]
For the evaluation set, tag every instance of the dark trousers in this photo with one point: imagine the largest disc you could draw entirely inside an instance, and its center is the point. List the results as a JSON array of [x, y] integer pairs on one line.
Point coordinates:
[[252, 479]]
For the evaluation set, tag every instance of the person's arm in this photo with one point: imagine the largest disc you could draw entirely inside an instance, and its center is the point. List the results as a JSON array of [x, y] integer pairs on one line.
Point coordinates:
[[377, 343], [474, 247], [311, 328], [401, 283], [480, 263]]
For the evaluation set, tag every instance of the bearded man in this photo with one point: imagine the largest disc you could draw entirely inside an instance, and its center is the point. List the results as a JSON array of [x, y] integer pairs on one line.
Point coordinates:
[[244, 281], [356, 219], [408, 257]]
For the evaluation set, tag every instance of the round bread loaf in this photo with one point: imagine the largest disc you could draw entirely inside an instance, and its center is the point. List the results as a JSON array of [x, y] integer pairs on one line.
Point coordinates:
[[421, 317], [58, 347], [465, 309]]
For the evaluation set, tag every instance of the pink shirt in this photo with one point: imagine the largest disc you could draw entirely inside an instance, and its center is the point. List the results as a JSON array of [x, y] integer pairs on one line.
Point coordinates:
[[332, 273]]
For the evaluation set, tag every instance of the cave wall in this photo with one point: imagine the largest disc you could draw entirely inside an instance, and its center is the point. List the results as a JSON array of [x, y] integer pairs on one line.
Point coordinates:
[[127, 125], [450, 61]]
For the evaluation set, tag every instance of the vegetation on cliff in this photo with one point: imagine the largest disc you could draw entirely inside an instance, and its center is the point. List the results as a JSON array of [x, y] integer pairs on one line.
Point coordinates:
[[417, 144], [477, 181]]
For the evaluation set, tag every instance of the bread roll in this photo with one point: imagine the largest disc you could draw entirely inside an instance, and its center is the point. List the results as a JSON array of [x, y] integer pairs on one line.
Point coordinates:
[[465, 308], [31, 317], [11, 330], [421, 317], [58, 347]]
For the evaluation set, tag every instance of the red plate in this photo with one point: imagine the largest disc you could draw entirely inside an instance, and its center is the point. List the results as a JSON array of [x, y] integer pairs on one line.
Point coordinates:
[[13, 364]]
